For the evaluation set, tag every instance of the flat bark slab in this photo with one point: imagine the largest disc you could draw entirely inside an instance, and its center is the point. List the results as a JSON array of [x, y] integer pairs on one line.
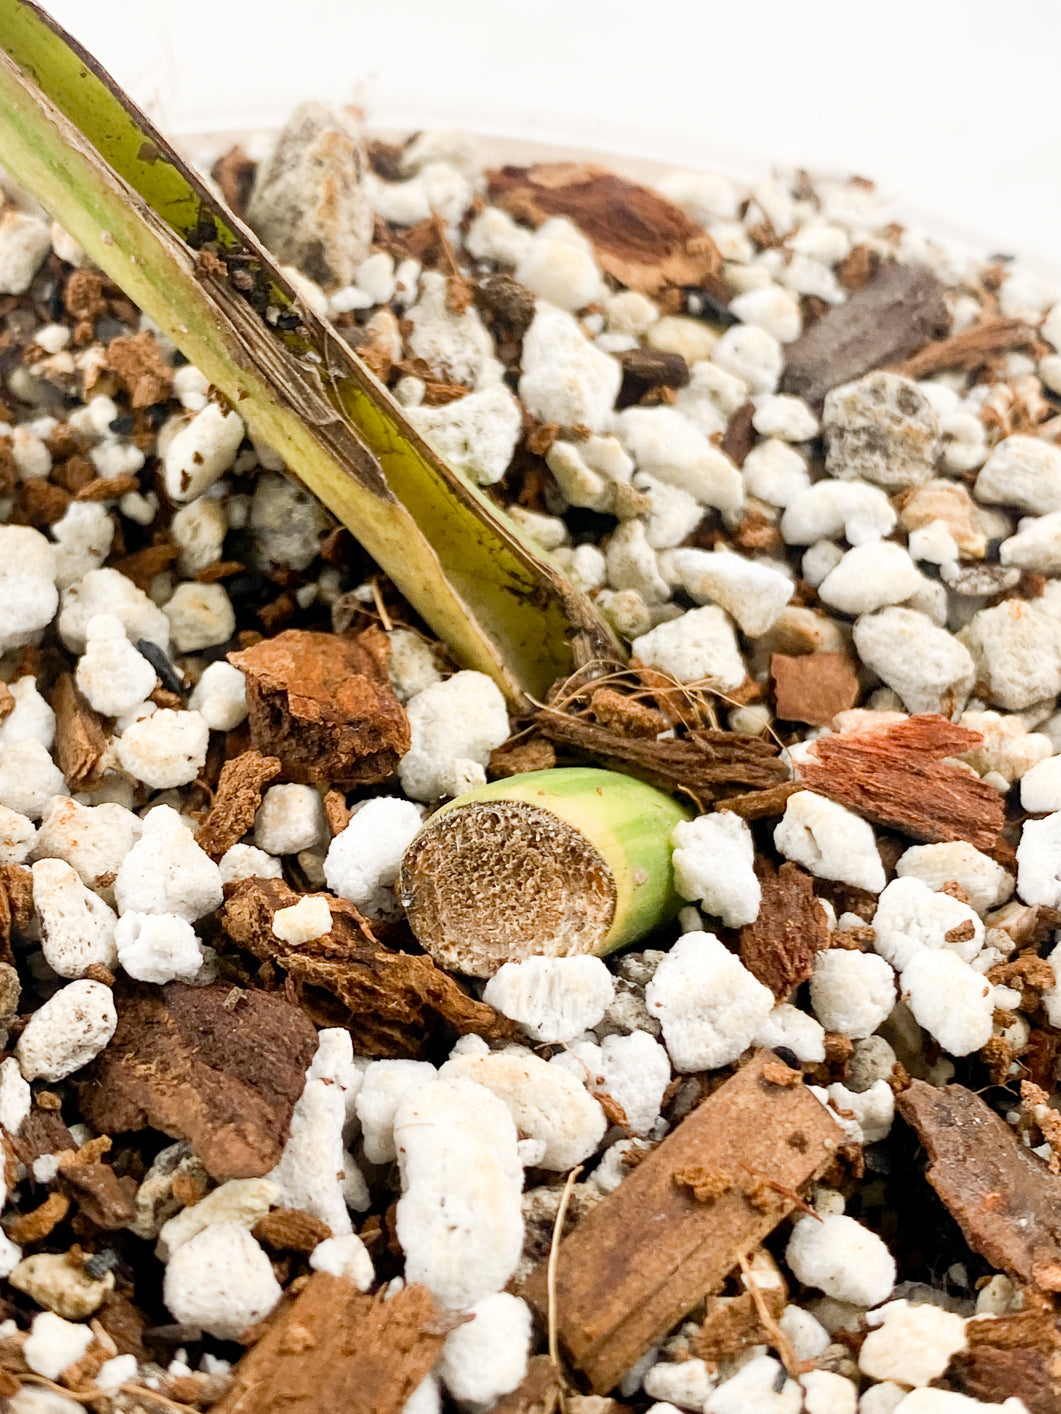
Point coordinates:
[[1004, 1198], [641, 1259], [335, 1351]]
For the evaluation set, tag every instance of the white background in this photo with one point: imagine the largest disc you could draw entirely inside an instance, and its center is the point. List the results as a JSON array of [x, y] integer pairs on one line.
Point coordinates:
[[954, 106]]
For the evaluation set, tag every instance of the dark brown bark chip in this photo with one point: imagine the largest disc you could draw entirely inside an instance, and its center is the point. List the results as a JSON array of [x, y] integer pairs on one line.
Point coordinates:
[[324, 706], [105, 1199], [894, 315], [1003, 1197], [780, 946], [16, 905], [394, 1002], [739, 437], [645, 370], [218, 1066], [236, 801], [1011, 1356], [640, 238], [80, 741], [813, 687], [971, 349], [234, 173], [897, 777], [334, 1351]]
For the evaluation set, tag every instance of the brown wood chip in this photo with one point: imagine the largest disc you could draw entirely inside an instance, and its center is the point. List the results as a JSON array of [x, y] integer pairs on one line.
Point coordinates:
[[739, 437], [537, 1393], [1011, 1356], [80, 741], [642, 1258], [970, 349], [896, 777], [291, 1230], [7, 701], [142, 371], [516, 758], [324, 706], [813, 687], [105, 1198], [16, 905], [36, 1225], [218, 1066], [1003, 1197], [640, 238], [394, 1002], [236, 801], [894, 315], [780, 946], [334, 1351]]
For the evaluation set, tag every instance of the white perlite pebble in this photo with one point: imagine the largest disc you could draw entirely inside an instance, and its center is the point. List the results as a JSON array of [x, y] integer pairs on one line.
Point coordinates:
[[244, 861], [806, 1334], [487, 1357], [775, 473], [385, 1085], [289, 820], [943, 1401], [240, 1200], [68, 1031], [829, 840], [29, 778], [759, 1387], [288, 522], [167, 872], [828, 509], [771, 308], [911, 917], [106, 591], [53, 1344], [199, 529], [363, 860], [164, 750], [565, 379], [314, 1173], [495, 236], [1024, 472], [559, 267], [870, 577], [881, 428], [345, 1256], [668, 445], [477, 433], [552, 998], [42, 1401], [928, 667], [200, 616], [546, 1102], [912, 1344], [304, 921], [459, 1219], [685, 1383], [842, 1258], [751, 592], [790, 1026], [751, 353], [158, 947], [16, 1098], [827, 1393], [852, 992], [1037, 545], [28, 596], [873, 1109], [952, 1001], [1017, 650], [221, 1281], [201, 452], [24, 242], [93, 839], [1039, 861], [986, 884], [220, 697], [710, 398], [31, 719], [77, 927], [700, 646], [113, 676], [779, 415], [709, 1004], [1040, 786], [459, 720], [714, 863], [455, 345], [634, 1070]]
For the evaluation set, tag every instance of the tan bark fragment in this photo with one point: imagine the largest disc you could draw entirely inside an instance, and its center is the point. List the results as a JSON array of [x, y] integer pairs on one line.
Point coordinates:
[[896, 777], [1011, 1356], [142, 371], [334, 1351], [291, 1230], [324, 706], [813, 687], [1002, 1196], [218, 1066], [650, 1251], [780, 946], [36, 1225], [640, 238], [236, 801], [80, 741], [16, 905], [970, 349]]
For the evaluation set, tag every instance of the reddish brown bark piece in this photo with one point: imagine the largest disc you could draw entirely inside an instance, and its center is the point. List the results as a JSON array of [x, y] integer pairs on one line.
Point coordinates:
[[142, 371], [813, 687], [1004, 1198], [16, 905], [334, 1351], [894, 315], [236, 801], [649, 1252], [970, 349], [896, 777], [105, 1198], [80, 741], [780, 946], [291, 1230], [640, 238], [218, 1066], [324, 706], [1007, 1356], [739, 437], [394, 1002]]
